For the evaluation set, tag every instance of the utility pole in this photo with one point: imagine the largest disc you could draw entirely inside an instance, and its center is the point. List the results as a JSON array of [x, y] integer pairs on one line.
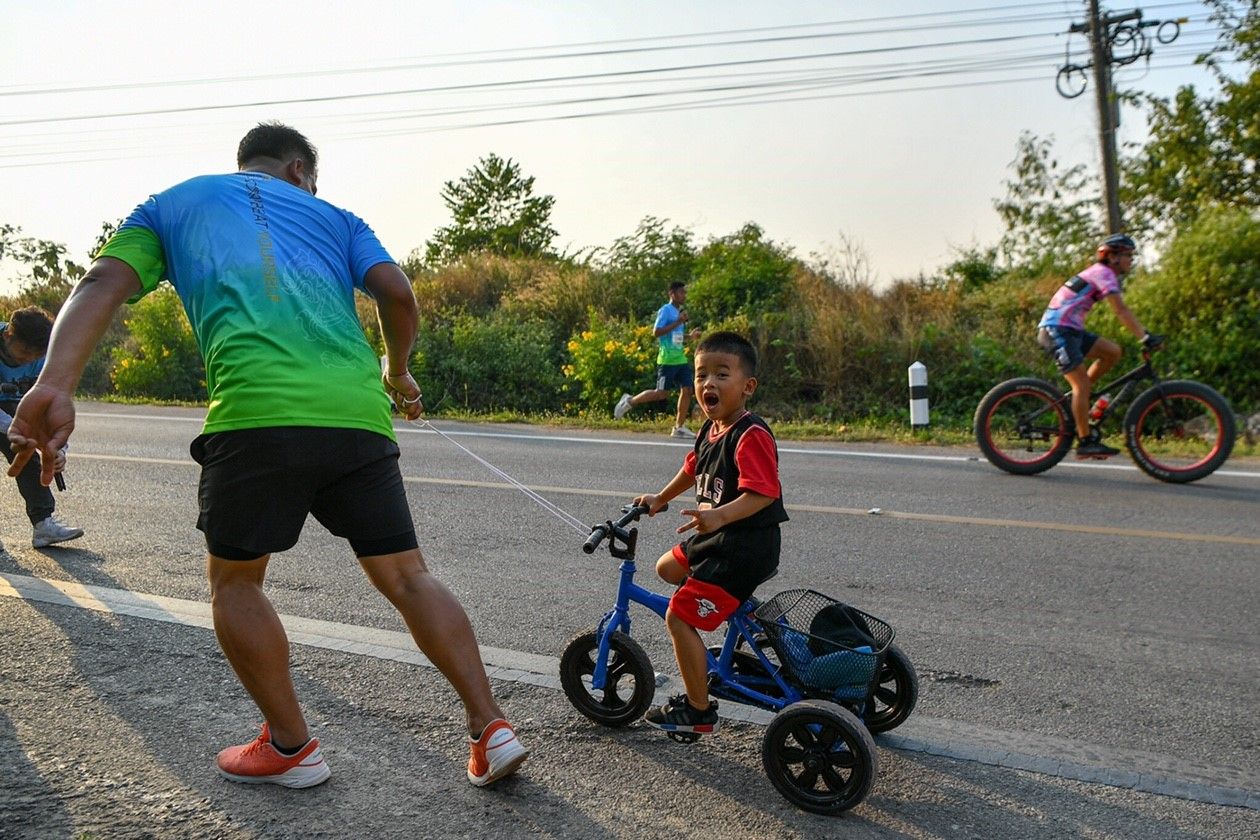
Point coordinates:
[[1114, 39], [1108, 117]]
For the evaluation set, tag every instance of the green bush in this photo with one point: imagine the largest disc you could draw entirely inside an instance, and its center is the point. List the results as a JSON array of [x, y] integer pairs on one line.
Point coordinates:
[[606, 360], [1205, 300], [488, 364], [741, 273], [160, 359]]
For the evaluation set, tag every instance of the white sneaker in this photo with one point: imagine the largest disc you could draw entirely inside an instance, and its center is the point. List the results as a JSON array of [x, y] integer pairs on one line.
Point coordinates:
[[50, 531], [623, 405], [683, 432]]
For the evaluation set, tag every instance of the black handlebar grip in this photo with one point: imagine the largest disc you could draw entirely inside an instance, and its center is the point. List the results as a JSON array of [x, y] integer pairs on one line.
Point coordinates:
[[597, 536], [61, 482]]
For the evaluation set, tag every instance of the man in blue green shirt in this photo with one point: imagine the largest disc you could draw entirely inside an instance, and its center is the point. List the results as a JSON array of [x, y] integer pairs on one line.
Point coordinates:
[[298, 422], [673, 369]]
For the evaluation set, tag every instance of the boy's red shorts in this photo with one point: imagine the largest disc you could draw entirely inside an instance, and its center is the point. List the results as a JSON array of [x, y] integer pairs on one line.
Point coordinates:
[[719, 580]]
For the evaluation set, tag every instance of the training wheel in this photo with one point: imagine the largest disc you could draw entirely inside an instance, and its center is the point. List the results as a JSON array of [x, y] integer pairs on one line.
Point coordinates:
[[684, 737]]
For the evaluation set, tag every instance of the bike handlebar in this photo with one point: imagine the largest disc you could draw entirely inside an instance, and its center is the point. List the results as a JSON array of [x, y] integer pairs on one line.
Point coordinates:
[[600, 532]]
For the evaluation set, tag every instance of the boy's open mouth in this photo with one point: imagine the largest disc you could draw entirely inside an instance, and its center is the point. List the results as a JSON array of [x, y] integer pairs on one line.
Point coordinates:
[[710, 400]]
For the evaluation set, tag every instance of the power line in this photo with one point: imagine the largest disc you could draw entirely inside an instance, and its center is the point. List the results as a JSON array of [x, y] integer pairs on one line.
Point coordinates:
[[515, 83]]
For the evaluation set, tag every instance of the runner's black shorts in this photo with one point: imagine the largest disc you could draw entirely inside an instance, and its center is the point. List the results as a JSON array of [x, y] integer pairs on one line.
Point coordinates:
[[258, 485], [672, 377]]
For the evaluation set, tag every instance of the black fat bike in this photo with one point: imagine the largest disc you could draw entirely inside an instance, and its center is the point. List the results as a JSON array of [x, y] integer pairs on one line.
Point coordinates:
[[1175, 430]]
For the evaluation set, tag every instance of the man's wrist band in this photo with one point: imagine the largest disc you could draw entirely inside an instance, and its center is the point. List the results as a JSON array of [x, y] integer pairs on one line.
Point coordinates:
[[412, 402]]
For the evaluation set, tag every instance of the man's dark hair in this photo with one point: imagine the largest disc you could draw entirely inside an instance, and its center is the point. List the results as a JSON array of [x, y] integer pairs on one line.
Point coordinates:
[[276, 140], [676, 285], [32, 326], [733, 343]]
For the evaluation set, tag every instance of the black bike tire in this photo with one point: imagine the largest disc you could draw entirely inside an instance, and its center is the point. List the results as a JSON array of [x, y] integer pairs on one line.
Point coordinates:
[[984, 415], [573, 666], [1148, 399], [814, 714], [896, 670]]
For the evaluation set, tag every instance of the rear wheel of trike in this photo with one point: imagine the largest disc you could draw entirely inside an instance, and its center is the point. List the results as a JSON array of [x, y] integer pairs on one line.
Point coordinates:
[[896, 692], [819, 756], [1024, 426], [1179, 431], [628, 689]]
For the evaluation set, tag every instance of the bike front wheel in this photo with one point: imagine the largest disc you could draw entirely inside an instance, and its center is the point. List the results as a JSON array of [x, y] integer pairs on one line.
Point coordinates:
[[1024, 426], [1179, 431], [628, 689]]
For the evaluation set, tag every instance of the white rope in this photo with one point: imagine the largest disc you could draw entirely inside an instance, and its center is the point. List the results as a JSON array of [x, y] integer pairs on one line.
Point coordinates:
[[552, 508]]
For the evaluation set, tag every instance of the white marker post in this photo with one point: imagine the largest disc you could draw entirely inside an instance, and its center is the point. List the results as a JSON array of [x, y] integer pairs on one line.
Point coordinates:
[[918, 396]]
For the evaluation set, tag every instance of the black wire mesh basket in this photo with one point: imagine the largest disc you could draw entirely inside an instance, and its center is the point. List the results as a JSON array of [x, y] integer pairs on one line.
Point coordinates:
[[831, 648]]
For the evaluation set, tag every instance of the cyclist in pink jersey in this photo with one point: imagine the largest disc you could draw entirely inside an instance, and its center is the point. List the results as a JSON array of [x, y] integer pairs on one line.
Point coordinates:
[[1062, 334]]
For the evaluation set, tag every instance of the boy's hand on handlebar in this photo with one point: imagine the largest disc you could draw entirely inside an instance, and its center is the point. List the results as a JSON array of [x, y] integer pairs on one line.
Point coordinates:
[[703, 521], [653, 502]]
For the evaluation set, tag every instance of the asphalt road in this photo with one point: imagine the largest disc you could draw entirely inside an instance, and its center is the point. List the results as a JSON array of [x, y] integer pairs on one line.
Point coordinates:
[[1091, 626]]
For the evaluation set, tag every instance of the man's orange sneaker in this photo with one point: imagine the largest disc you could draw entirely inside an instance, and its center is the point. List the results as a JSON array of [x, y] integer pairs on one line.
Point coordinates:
[[258, 762], [497, 753]]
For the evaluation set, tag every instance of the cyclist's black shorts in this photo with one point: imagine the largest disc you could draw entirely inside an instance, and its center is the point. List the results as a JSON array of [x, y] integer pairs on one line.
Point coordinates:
[[258, 485], [1068, 347]]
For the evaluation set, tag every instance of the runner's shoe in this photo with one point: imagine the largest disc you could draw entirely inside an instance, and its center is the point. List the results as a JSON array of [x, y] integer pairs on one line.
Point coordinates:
[[1091, 446], [259, 762], [683, 432], [497, 753], [623, 405], [680, 716], [49, 531]]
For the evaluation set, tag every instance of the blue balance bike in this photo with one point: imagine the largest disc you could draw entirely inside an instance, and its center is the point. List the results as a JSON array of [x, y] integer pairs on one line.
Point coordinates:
[[830, 673]]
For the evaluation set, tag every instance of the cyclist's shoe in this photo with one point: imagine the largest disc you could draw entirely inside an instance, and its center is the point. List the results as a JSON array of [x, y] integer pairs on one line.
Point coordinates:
[[497, 753], [680, 716], [683, 432], [623, 405], [49, 532], [259, 762], [1091, 446]]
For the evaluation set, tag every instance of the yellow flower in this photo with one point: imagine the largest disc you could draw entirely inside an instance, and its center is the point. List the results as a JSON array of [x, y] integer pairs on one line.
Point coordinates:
[[609, 347], [588, 335]]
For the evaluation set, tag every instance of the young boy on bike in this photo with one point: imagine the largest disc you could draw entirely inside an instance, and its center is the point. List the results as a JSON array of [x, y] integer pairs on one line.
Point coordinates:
[[734, 468], [1062, 334]]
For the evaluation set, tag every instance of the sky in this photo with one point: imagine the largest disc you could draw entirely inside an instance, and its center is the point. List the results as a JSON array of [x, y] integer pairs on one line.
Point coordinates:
[[888, 126]]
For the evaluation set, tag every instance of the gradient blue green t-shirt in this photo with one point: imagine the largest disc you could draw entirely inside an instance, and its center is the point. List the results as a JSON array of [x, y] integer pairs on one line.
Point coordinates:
[[267, 274]]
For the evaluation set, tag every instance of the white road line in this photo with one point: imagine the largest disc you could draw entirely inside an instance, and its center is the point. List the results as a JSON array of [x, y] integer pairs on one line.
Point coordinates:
[[1062, 758], [621, 441]]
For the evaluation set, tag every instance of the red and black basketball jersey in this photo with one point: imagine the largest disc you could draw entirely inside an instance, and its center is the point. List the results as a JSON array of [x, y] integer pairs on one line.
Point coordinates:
[[743, 458]]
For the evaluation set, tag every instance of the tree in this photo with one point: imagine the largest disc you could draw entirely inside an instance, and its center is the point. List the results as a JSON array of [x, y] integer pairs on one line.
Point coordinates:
[[494, 209], [1051, 214], [1202, 151], [642, 265]]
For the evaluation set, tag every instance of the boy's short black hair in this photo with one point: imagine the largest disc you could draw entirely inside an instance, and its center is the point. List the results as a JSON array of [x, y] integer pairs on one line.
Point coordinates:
[[32, 326], [276, 140], [733, 343], [676, 285]]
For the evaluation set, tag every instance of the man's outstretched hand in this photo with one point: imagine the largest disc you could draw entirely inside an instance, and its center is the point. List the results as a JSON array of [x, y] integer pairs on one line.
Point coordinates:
[[42, 423]]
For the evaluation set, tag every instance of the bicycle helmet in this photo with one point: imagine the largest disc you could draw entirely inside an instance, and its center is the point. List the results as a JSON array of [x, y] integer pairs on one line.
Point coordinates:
[[1117, 243]]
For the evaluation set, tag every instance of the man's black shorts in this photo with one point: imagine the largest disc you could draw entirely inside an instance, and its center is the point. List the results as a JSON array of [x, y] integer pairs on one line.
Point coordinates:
[[258, 485], [674, 377]]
